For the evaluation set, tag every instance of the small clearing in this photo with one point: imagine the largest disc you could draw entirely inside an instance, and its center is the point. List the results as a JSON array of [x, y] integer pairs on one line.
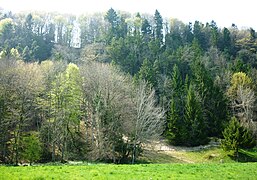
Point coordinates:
[[162, 152]]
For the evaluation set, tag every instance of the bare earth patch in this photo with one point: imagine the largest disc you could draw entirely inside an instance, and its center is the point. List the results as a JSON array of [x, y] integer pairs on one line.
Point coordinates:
[[162, 148]]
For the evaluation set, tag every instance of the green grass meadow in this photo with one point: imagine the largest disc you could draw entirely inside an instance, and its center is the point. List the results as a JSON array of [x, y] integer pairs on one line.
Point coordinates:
[[139, 171]]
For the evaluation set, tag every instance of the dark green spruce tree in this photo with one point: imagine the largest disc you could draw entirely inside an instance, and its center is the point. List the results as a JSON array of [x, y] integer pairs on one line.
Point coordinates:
[[146, 30], [158, 29], [213, 102], [236, 136], [117, 26], [195, 128], [112, 18], [176, 129], [148, 73]]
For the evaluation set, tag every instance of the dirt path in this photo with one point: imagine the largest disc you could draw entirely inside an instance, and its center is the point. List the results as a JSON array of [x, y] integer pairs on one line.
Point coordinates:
[[177, 151], [162, 145]]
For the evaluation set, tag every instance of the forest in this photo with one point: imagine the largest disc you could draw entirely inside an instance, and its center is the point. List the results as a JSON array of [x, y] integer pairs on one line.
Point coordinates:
[[100, 86]]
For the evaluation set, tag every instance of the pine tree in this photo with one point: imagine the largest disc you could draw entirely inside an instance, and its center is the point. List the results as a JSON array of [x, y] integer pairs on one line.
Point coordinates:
[[26, 54], [231, 136], [176, 130], [146, 30], [113, 19], [213, 102], [147, 73], [214, 34], [236, 136], [199, 34], [175, 123], [196, 130], [118, 26], [158, 27], [176, 80]]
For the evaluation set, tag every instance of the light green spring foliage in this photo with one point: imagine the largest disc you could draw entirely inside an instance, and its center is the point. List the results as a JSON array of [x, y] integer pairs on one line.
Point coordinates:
[[65, 95], [143, 171], [239, 79], [2, 54], [14, 54], [32, 148], [5, 25], [73, 86], [67, 91]]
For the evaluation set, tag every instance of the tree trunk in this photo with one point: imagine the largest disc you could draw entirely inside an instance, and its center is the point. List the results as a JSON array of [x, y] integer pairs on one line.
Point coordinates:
[[53, 151], [17, 140], [113, 152], [4, 152], [16, 149], [134, 153], [64, 144], [237, 154], [62, 158]]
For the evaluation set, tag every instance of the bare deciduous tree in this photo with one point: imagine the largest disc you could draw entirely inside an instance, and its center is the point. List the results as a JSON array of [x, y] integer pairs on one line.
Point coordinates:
[[21, 85], [108, 103], [120, 116], [149, 119], [243, 106], [242, 99]]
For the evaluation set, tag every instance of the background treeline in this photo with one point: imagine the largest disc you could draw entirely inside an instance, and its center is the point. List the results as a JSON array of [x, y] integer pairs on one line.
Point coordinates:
[[104, 107]]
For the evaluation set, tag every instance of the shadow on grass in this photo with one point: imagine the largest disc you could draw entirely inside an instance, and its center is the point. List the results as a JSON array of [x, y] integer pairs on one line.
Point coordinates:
[[245, 156], [153, 157], [142, 161]]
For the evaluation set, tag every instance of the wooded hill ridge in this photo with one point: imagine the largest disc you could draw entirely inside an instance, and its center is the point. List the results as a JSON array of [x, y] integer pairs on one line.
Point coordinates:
[[97, 87]]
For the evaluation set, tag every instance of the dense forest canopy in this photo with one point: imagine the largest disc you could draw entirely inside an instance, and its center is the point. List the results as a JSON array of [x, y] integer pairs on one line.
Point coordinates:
[[101, 86]]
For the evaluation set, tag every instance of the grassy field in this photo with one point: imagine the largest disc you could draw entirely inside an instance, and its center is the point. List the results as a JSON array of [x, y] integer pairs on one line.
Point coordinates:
[[143, 171]]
